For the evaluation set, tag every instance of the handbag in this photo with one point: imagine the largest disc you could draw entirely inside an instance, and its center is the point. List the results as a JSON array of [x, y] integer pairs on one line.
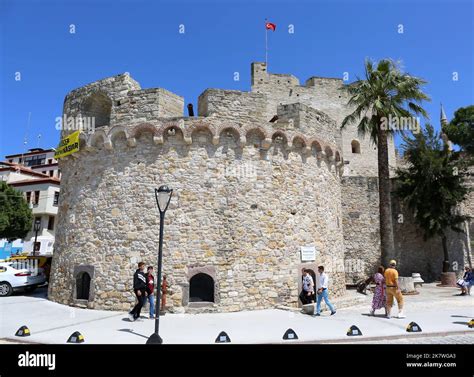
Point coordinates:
[[461, 283]]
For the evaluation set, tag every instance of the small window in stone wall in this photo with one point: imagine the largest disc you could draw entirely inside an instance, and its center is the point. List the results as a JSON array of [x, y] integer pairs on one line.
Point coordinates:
[[355, 145]]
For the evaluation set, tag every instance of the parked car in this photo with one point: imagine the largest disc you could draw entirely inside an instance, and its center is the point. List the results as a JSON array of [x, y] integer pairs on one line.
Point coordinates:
[[18, 275], [43, 261]]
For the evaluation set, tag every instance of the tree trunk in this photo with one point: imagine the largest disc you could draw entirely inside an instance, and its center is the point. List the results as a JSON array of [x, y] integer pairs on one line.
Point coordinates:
[[445, 253], [385, 203]]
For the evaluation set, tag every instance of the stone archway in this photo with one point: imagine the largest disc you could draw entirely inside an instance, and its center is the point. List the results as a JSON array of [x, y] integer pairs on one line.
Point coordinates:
[[83, 289], [83, 286], [313, 267], [201, 288]]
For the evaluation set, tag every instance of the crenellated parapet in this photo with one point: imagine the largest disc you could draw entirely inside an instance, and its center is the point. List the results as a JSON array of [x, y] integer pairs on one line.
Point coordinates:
[[263, 137]]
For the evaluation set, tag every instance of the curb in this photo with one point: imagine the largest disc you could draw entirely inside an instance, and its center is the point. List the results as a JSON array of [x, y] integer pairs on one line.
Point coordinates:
[[391, 337]]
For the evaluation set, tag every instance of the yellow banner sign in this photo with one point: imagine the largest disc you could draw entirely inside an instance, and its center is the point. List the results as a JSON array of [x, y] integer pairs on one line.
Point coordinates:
[[68, 145]]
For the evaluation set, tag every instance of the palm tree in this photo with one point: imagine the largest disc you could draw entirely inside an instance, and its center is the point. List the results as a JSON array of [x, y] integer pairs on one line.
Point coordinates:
[[385, 93]]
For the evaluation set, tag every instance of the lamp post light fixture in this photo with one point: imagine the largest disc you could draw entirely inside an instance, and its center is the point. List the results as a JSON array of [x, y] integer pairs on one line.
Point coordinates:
[[36, 228], [163, 197]]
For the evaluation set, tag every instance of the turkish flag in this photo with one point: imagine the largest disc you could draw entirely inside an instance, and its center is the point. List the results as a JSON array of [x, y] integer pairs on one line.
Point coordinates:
[[270, 26]]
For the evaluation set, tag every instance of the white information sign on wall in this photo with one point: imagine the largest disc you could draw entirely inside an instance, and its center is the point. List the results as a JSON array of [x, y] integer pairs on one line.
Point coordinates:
[[308, 253]]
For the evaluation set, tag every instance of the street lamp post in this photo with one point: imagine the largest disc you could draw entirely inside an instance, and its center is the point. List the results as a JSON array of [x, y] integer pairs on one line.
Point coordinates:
[[36, 228], [163, 197]]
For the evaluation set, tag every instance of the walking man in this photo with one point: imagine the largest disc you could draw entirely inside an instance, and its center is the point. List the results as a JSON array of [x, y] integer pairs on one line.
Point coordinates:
[[322, 286], [150, 289], [306, 295], [139, 287], [393, 290]]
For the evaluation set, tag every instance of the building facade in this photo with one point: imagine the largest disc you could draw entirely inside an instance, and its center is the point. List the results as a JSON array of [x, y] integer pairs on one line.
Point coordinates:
[[37, 176]]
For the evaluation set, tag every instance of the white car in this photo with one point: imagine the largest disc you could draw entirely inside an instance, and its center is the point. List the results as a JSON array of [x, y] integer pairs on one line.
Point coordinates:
[[18, 275]]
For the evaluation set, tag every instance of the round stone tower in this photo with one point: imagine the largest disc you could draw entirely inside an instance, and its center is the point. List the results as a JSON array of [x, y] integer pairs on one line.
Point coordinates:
[[249, 192]]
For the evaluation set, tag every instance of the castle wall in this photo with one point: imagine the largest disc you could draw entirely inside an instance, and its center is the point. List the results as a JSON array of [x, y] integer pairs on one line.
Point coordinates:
[[248, 193], [326, 95], [467, 207], [426, 257], [147, 105], [120, 100], [114, 88], [361, 227], [307, 120], [232, 104], [239, 212]]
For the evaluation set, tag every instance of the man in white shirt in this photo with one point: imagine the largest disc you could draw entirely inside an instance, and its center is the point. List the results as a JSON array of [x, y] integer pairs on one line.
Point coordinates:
[[322, 293]]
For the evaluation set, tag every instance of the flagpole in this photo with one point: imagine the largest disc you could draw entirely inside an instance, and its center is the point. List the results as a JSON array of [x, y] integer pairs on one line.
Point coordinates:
[[266, 44]]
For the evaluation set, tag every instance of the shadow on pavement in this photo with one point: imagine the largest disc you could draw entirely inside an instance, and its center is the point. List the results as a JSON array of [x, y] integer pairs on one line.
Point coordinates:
[[375, 315], [134, 333], [40, 292], [461, 323]]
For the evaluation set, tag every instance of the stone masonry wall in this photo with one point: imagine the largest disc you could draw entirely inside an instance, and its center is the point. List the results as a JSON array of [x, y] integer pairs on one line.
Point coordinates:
[[425, 257], [360, 223], [298, 116], [323, 94], [362, 241], [240, 211], [147, 105], [232, 104], [127, 103]]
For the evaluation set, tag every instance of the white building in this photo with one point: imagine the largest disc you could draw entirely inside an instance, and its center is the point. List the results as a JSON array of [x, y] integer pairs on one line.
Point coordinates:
[[36, 174], [37, 159]]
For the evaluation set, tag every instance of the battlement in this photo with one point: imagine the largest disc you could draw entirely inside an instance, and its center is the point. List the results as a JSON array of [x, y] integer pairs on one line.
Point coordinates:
[[275, 101], [119, 100], [260, 76], [247, 106], [302, 118], [189, 131]]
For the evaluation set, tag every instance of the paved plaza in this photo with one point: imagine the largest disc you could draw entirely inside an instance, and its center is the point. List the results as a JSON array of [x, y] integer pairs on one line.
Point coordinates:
[[440, 312]]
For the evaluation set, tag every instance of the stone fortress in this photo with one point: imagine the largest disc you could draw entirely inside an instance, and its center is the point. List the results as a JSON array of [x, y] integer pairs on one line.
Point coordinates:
[[256, 176]]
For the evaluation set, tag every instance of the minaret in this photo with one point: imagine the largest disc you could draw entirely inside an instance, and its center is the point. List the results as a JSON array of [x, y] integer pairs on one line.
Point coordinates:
[[443, 117], [444, 122]]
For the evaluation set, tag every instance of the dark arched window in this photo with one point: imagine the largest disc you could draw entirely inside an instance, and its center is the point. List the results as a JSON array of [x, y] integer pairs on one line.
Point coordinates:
[[97, 106], [201, 288], [355, 146], [83, 285]]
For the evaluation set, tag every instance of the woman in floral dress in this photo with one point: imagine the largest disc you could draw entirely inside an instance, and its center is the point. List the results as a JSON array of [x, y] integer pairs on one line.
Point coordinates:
[[380, 299]]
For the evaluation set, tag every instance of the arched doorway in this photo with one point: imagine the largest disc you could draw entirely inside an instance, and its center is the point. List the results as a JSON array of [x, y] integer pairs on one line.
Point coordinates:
[[311, 267], [201, 288], [83, 285]]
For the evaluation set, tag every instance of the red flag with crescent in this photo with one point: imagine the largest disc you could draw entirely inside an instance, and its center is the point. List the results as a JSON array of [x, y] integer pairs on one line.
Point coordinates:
[[270, 26]]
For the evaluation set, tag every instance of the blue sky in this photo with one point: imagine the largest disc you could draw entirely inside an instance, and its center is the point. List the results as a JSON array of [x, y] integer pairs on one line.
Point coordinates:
[[221, 37]]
